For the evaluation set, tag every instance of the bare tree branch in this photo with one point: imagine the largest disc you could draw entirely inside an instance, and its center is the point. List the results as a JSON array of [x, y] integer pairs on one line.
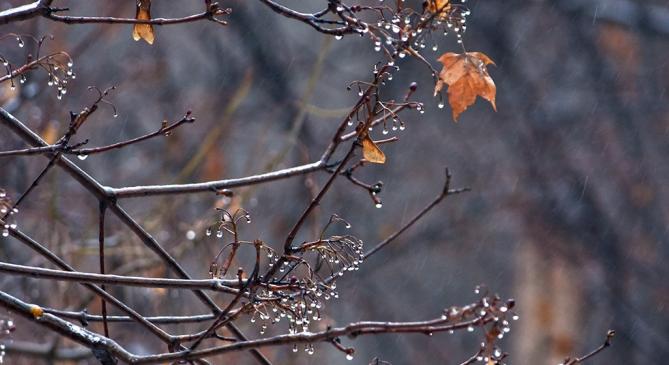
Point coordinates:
[[43, 8], [213, 186], [46, 253], [24, 12], [607, 342], [80, 277], [102, 193], [101, 343]]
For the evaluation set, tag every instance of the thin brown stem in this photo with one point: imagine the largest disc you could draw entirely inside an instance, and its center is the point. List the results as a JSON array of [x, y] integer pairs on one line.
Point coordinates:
[[138, 281], [224, 316], [353, 330], [43, 8], [607, 342], [46, 253], [164, 130], [85, 317], [313, 20], [101, 242], [213, 186]]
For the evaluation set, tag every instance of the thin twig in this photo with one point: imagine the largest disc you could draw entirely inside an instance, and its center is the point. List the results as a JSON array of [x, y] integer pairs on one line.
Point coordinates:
[[164, 130], [352, 330], [43, 8], [446, 191], [101, 192], [84, 317], [113, 20], [223, 316], [607, 342], [101, 242], [46, 253], [213, 186], [311, 19], [138, 281]]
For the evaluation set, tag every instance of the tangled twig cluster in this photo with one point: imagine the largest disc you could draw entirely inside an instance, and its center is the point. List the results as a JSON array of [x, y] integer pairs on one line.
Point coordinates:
[[289, 282]]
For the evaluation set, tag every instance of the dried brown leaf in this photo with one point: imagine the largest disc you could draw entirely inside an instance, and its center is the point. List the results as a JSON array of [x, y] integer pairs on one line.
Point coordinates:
[[439, 6], [467, 77], [371, 152], [143, 31]]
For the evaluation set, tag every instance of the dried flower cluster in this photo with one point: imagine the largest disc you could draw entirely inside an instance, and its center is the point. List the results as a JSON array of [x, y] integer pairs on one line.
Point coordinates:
[[57, 65]]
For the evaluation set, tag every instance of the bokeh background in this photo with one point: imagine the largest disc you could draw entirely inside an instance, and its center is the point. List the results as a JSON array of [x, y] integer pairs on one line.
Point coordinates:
[[568, 209]]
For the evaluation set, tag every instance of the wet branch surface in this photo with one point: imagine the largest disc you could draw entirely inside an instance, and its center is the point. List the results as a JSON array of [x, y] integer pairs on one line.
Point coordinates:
[[292, 284]]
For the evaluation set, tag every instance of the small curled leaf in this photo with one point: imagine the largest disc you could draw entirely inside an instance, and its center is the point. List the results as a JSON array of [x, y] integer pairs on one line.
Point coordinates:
[[371, 152], [36, 311], [143, 31], [442, 7]]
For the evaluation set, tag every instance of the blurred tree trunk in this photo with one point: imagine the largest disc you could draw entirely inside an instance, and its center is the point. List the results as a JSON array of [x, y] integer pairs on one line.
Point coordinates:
[[548, 288]]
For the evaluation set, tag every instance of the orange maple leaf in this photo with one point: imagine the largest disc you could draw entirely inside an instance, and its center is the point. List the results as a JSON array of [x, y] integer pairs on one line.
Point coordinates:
[[439, 6], [467, 77]]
